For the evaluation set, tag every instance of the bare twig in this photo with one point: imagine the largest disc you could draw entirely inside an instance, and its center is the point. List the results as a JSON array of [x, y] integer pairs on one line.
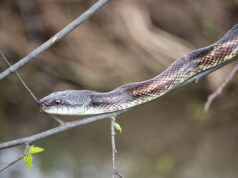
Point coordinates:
[[113, 133], [19, 77], [114, 151], [219, 90], [28, 89], [54, 39], [61, 122], [17, 159], [61, 128]]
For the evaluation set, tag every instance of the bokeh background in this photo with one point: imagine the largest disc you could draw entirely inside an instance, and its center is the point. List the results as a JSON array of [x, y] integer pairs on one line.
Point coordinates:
[[126, 41]]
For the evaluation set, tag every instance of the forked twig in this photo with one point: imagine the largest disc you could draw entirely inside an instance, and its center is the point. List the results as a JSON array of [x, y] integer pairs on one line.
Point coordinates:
[[219, 90], [17, 159], [63, 126], [69, 125]]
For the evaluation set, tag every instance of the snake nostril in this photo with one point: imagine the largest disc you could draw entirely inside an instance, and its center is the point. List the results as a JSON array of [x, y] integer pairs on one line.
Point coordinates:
[[43, 105]]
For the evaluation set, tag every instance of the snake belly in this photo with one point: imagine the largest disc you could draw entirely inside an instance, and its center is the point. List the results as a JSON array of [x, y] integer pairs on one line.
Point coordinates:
[[187, 68]]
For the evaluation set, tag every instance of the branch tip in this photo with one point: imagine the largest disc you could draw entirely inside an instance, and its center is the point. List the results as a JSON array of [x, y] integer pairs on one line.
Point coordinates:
[[219, 90]]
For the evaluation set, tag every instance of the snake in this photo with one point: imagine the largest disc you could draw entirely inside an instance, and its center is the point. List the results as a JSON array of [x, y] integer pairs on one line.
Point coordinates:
[[186, 69]]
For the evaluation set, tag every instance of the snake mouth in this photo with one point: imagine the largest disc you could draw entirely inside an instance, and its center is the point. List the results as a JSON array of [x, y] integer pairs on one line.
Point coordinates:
[[43, 106], [47, 108], [59, 109], [53, 110]]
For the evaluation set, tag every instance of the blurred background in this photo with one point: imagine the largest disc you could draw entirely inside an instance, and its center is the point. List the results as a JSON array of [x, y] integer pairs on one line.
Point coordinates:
[[126, 41]]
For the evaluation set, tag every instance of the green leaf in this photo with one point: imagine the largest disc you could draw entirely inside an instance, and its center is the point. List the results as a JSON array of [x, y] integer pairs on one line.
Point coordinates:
[[33, 149], [28, 160], [118, 127]]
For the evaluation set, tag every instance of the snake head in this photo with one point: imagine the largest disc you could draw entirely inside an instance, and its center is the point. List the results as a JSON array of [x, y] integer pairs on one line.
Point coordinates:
[[70, 102]]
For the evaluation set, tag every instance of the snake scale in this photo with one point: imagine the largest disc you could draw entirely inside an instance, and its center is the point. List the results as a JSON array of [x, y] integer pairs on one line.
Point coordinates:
[[184, 70]]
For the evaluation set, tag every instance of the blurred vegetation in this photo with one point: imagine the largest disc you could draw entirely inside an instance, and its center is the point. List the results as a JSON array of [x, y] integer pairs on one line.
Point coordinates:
[[126, 41]]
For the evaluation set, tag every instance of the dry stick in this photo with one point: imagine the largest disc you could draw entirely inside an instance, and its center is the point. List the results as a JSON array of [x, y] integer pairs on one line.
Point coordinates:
[[19, 77], [28, 89], [114, 151], [219, 90], [58, 129], [115, 172], [54, 39], [31, 56], [113, 133], [16, 160], [37, 101], [55, 118]]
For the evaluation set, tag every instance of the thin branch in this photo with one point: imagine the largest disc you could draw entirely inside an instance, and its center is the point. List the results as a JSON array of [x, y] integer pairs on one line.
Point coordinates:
[[19, 77], [114, 151], [61, 128], [17, 159], [219, 90], [113, 133], [54, 39], [61, 122], [28, 89]]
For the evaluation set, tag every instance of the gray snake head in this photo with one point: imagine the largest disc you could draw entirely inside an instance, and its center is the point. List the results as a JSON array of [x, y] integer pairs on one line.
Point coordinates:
[[70, 102]]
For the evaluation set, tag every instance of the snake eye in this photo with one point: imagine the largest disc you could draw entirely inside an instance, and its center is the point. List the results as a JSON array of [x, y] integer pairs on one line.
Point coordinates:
[[57, 102]]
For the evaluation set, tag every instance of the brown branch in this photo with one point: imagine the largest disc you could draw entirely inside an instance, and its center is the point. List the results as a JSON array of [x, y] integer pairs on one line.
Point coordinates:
[[66, 30], [219, 90], [16, 160], [114, 151]]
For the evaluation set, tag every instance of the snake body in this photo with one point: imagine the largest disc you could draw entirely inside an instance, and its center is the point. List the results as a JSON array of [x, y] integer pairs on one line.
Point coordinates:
[[186, 69]]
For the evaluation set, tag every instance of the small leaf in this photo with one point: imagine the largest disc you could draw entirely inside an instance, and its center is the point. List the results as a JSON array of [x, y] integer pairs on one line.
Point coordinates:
[[118, 127], [28, 160], [33, 149]]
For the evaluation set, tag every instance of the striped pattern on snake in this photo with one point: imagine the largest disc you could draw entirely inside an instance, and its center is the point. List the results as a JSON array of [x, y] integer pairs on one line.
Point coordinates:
[[184, 70]]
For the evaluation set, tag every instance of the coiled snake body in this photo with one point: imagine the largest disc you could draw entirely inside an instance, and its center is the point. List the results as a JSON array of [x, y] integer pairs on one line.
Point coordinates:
[[187, 68]]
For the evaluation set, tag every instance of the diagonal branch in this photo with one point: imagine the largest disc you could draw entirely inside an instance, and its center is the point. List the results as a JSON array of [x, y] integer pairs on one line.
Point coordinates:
[[28, 89], [19, 77], [219, 90], [54, 39], [61, 128], [17, 159]]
